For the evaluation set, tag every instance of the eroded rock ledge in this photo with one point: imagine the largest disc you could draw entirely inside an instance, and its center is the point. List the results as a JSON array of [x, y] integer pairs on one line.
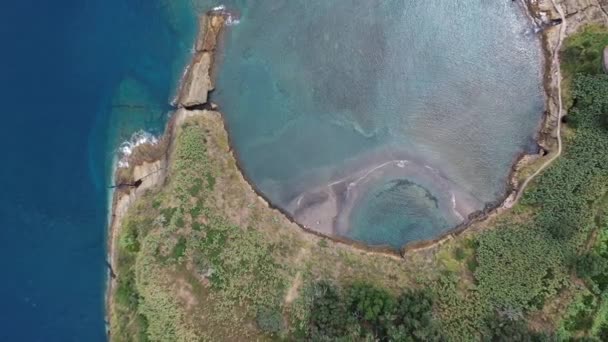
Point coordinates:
[[148, 163], [198, 80]]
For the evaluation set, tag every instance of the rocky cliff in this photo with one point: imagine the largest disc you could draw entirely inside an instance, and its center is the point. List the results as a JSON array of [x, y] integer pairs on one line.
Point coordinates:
[[148, 164], [198, 80]]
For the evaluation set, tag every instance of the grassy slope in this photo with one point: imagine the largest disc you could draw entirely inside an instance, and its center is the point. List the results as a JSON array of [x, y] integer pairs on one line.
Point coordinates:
[[203, 257], [582, 54]]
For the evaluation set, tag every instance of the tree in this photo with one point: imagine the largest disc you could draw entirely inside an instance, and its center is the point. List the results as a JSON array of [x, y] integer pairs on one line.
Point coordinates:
[[413, 318], [328, 316], [369, 303], [591, 96], [501, 328], [364, 311], [590, 265], [269, 320]]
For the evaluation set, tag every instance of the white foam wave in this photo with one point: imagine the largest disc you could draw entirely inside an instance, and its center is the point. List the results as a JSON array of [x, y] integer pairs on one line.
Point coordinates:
[[126, 148], [232, 21], [399, 163], [231, 18], [181, 81], [434, 171], [454, 209]]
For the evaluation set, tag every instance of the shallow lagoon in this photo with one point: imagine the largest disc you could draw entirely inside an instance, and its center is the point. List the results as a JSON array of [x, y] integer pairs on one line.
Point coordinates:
[[333, 112], [385, 122]]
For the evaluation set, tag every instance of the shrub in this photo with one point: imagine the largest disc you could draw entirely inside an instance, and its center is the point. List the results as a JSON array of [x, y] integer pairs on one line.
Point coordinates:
[[460, 254], [501, 328], [129, 237], [126, 292], [210, 181], [369, 303], [168, 213], [582, 52], [581, 314], [328, 316], [518, 267], [179, 249], [270, 320], [413, 318], [362, 310], [590, 265], [197, 186]]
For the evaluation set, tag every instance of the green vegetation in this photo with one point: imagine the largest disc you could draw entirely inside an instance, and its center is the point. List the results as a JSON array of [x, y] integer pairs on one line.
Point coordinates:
[[526, 261], [361, 310], [204, 259], [187, 271], [583, 52], [503, 327], [240, 265], [519, 267], [577, 180], [132, 326]]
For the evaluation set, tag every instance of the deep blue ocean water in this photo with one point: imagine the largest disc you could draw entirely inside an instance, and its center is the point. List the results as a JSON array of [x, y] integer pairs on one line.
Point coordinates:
[[78, 77]]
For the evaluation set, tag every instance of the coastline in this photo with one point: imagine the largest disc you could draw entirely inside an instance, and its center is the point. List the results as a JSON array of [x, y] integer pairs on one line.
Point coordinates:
[[547, 17], [533, 8], [147, 165], [490, 209], [537, 13], [190, 96], [149, 162]]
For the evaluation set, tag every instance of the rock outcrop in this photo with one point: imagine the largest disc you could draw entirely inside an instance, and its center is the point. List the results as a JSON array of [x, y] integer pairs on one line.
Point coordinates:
[[210, 26], [198, 80], [578, 12]]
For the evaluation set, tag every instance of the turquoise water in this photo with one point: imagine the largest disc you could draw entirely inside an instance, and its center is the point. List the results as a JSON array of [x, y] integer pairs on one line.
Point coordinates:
[[397, 210], [381, 112], [332, 103]]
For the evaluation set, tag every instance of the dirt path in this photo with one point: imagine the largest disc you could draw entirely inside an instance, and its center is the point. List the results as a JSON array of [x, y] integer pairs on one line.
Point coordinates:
[[556, 68], [292, 293]]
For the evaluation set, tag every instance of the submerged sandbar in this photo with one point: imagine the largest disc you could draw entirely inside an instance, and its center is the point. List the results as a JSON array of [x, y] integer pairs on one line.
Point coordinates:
[[351, 98]]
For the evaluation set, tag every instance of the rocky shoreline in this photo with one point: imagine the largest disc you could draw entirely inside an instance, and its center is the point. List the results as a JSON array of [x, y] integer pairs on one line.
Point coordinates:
[[198, 81], [148, 164], [547, 20], [546, 17], [579, 13]]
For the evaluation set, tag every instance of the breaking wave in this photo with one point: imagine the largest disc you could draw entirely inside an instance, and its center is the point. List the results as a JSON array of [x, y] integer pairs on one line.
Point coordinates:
[[232, 18], [126, 148]]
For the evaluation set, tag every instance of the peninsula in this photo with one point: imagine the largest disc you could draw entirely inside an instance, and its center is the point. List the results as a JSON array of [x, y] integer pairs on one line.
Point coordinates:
[[198, 253]]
